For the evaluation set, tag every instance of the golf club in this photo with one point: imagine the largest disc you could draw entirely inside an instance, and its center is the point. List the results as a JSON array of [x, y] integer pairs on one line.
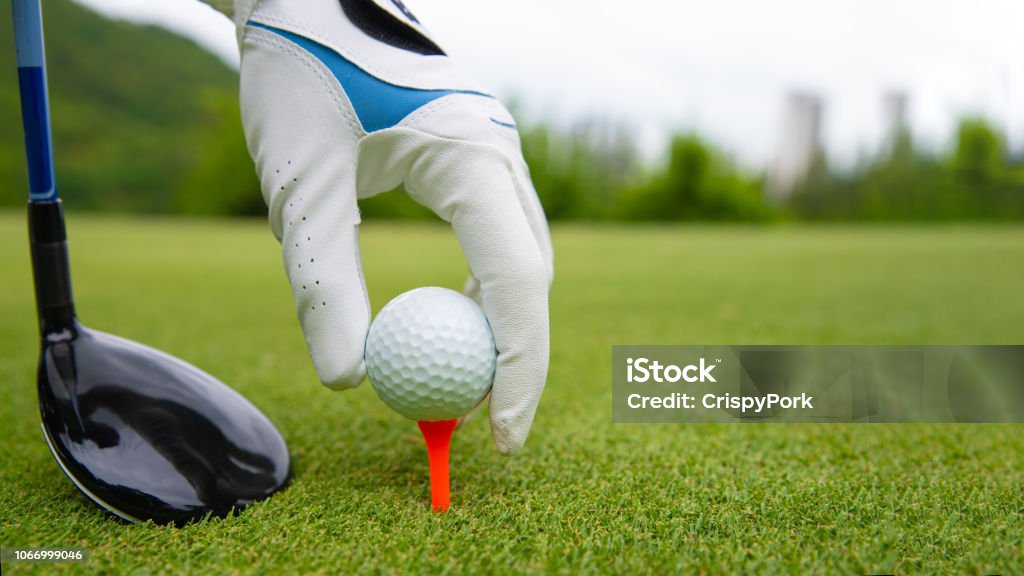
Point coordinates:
[[141, 433]]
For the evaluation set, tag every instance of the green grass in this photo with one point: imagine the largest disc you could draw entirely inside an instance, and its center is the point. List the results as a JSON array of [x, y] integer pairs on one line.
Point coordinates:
[[586, 495]]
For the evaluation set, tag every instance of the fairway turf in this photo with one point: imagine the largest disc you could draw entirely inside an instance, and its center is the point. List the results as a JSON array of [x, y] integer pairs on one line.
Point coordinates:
[[586, 495]]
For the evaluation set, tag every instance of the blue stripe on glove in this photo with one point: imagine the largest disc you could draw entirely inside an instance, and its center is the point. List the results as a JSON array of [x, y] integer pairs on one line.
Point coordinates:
[[378, 104]]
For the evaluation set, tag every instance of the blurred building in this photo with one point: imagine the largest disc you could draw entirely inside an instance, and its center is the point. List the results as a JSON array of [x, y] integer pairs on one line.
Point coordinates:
[[894, 117], [799, 145], [894, 111]]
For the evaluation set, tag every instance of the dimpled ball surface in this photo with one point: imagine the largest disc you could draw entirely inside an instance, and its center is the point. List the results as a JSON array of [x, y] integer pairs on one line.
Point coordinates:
[[430, 354]]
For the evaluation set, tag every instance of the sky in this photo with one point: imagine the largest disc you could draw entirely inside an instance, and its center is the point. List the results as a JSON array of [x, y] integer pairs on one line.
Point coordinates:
[[721, 68]]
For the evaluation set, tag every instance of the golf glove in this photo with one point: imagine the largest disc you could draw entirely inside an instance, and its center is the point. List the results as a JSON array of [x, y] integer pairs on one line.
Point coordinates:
[[345, 99]]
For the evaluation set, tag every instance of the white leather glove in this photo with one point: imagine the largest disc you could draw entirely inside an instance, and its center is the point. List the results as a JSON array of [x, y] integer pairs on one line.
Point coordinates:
[[345, 99]]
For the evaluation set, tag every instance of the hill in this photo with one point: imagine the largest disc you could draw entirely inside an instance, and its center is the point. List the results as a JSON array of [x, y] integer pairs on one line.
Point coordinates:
[[143, 120]]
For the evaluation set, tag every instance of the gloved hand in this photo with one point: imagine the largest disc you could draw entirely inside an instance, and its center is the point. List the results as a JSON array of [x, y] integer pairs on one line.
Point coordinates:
[[345, 99]]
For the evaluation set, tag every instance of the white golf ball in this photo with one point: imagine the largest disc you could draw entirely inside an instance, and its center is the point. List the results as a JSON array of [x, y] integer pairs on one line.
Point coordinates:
[[430, 354]]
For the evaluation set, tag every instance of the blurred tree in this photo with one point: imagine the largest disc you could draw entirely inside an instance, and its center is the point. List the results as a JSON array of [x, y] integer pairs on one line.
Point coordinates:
[[984, 179], [549, 157], [979, 156], [580, 174], [974, 181], [697, 183], [222, 179]]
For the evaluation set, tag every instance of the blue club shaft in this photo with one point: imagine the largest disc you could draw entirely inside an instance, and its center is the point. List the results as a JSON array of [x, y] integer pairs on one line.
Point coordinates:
[[47, 236], [35, 106]]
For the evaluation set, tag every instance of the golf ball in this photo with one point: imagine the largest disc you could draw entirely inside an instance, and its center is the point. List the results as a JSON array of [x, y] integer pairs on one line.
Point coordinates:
[[430, 354]]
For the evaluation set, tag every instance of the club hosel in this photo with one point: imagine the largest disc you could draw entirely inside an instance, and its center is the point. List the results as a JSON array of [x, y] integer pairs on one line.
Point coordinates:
[[50, 266]]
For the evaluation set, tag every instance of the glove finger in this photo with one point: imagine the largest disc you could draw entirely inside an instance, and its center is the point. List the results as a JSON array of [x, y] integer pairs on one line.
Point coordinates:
[[538, 226], [305, 156], [485, 208], [538, 220]]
